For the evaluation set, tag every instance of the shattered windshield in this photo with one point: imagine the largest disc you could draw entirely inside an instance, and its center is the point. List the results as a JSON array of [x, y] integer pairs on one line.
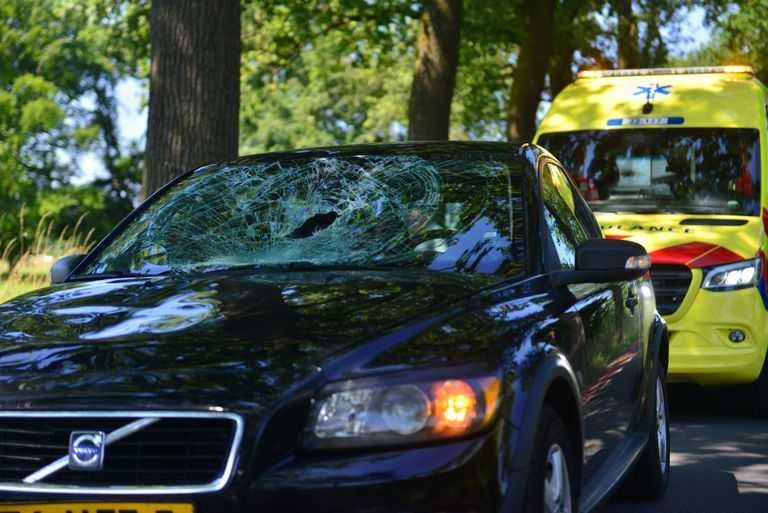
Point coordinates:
[[456, 213], [680, 170]]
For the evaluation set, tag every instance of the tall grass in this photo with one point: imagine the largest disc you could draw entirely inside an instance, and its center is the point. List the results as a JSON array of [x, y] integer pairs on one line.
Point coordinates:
[[26, 261]]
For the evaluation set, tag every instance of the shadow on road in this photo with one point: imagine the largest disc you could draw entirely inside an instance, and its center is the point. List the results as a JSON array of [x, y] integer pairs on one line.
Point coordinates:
[[719, 458]]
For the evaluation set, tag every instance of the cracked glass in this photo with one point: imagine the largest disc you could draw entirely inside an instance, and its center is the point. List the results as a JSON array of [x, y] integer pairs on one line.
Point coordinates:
[[453, 213]]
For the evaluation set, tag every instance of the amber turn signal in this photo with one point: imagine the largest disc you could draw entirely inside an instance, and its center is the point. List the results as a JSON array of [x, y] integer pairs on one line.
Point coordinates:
[[455, 405]]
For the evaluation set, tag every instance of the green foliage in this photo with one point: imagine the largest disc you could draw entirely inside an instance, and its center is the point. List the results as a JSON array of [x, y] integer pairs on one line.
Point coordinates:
[[336, 72], [656, 26], [38, 247], [58, 70], [489, 38], [122, 30], [740, 36], [325, 72], [67, 206]]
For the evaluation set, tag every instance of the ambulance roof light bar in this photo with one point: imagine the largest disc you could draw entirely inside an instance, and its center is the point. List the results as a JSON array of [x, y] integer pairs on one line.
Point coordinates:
[[663, 71]]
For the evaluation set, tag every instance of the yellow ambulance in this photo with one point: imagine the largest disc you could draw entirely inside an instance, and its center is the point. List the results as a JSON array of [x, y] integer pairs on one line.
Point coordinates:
[[676, 160]]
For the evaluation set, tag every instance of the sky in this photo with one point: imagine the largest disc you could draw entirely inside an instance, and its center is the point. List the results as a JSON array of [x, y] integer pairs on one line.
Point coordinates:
[[131, 124], [132, 93], [694, 33]]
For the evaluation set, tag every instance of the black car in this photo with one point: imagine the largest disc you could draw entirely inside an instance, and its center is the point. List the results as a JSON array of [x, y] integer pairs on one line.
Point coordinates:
[[386, 328]]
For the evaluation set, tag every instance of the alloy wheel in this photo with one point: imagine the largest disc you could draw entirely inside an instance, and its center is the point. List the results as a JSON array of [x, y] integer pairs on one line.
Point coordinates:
[[557, 482], [661, 426]]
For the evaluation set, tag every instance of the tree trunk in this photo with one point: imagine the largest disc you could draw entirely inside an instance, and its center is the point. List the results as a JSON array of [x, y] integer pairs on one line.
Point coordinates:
[[627, 37], [194, 87], [566, 39], [531, 69], [654, 51], [434, 78], [560, 71]]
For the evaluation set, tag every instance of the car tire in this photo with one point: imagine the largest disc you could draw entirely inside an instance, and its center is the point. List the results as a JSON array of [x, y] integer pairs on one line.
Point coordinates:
[[551, 485], [650, 477], [755, 396]]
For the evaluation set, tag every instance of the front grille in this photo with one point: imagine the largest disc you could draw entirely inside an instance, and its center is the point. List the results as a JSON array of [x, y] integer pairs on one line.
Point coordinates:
[[172, 452], [670, 284]]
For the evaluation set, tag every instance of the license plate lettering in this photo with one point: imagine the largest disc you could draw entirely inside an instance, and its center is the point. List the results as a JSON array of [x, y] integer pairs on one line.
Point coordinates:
[[97, 508]]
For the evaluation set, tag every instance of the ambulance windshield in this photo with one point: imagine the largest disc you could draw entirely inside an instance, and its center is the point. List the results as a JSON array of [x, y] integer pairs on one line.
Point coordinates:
[[663, 170]]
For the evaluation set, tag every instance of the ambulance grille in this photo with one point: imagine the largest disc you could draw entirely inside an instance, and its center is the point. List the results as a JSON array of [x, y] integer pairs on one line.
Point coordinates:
[[670, 283]]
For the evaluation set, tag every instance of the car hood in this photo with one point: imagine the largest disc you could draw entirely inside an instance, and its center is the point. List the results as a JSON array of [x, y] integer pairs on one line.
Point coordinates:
[[692, 240], [237, 341]]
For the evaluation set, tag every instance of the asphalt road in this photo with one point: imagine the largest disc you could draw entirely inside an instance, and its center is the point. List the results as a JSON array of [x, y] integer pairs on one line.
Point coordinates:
[[719, 459]]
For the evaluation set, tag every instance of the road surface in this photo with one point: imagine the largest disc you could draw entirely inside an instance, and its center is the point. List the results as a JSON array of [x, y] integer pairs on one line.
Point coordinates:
[[719, 459]]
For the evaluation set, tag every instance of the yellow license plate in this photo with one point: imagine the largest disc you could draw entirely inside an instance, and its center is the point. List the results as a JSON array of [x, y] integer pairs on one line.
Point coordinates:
[[98, 507]]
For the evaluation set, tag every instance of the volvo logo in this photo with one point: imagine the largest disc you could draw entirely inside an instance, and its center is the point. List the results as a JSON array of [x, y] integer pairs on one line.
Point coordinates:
[[86, 450]]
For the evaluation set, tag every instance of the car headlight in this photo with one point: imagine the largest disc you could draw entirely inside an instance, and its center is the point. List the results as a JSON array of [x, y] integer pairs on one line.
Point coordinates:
[[364, 413], [732, 276]]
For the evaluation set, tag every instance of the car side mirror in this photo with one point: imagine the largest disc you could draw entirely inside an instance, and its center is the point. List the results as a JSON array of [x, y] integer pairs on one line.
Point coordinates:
[[63, 267], [605, 260]]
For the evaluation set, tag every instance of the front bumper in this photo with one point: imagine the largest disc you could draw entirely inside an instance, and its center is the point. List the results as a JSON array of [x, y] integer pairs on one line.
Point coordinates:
[[699, 348], [464, 476]]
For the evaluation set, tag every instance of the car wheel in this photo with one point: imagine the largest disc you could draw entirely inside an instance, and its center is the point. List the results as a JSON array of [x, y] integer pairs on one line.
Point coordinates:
[[551, 484], [756, 395], [650, 477]]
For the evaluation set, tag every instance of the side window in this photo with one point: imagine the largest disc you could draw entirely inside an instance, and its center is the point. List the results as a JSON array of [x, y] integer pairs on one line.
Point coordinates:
[[584, 215], [560, 206]]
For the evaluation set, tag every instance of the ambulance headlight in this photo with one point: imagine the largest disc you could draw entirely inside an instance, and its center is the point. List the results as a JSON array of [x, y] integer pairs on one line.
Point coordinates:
[[739, 275]]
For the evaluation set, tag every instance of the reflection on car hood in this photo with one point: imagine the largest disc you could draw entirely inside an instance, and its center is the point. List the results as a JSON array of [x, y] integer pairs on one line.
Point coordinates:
[[205, 339]]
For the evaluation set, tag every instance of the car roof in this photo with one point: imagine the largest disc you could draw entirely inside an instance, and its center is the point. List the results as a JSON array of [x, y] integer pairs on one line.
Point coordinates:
[[393, 148]]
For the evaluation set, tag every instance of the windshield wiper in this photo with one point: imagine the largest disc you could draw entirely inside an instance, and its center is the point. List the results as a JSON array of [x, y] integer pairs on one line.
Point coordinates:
[[118, 274], [299, 265], [311, 266]]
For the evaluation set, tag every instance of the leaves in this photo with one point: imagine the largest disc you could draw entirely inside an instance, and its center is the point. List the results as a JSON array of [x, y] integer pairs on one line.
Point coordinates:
[[57, 76], [741, 35], [318, 73]]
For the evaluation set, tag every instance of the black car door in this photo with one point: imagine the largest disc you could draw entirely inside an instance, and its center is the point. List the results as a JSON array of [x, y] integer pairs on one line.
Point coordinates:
[[610, 374]]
